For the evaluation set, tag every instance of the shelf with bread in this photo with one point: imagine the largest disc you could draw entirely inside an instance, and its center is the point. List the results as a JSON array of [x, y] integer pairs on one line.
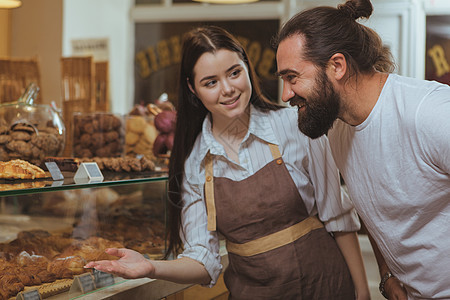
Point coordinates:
[[50, 230]]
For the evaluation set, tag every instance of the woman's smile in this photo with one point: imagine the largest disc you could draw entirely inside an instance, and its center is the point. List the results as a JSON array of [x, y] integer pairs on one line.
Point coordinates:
[[231, 101]]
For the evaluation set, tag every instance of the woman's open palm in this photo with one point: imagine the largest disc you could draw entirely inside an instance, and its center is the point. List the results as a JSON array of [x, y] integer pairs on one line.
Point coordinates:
[[130, 265]]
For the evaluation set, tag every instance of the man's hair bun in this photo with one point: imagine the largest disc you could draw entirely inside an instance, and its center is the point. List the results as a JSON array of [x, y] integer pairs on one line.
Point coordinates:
[[356, 9], [349, 9]]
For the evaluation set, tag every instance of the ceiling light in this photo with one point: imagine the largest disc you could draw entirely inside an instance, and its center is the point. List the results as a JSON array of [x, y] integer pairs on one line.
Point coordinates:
[[10, 3]]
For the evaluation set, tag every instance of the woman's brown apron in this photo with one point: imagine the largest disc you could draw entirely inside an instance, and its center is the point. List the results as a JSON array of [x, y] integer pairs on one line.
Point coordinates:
[[280, 257]]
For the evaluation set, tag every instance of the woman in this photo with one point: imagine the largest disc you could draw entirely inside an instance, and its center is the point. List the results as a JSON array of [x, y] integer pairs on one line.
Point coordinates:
[[241, 168]]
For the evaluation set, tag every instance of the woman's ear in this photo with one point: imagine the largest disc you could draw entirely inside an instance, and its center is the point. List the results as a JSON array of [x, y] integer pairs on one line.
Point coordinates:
[[338, 66], [190, 87]]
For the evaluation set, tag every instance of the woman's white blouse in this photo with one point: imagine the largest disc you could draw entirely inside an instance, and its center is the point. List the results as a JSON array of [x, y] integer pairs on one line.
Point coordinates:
[[309, 162]]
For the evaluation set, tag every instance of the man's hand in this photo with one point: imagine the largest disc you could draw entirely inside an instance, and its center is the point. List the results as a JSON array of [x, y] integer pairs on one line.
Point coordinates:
[[395, 290]]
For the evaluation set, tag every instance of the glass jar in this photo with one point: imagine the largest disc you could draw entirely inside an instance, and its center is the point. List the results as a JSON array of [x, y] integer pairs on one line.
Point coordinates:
[[140, 134], [30, 132], [98, 134]]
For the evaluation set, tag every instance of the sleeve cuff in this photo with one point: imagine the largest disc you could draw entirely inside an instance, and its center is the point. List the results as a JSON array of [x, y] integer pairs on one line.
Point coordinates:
[[210, 261], [348, 222]]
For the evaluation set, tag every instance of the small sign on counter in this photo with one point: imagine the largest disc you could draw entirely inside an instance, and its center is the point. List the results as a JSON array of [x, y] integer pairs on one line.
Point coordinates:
[[103, 279], [84, 283], [54, 170], [29, 295], [88, 172]]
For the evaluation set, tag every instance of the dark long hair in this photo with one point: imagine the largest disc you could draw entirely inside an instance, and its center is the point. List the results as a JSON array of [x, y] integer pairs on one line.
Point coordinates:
[[329, 30], [191, 113]]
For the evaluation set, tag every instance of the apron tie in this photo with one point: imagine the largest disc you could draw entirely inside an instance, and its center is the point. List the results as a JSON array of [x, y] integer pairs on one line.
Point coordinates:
[[275, 240]]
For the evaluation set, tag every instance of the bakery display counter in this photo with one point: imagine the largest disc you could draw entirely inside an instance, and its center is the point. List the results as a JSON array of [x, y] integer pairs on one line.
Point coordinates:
[[151, 289], [48, 231]]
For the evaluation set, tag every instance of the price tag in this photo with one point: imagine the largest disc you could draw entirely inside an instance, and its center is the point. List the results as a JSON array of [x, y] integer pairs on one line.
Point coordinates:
[[88, 172], [54, 170], [103, 279], [29, 295], [84, 283]]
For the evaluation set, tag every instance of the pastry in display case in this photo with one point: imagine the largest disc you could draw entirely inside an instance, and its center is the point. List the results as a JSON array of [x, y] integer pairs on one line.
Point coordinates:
[[49, 233], [20, 169], [121, 164], [140, 136], [150, 130]]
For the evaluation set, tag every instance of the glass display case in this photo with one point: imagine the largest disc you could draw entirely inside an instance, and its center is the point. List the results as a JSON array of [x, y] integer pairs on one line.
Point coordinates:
[[50, 229]]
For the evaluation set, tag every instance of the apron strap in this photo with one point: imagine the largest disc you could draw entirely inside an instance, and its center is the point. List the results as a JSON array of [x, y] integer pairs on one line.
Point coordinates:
[[274, 150], [209, 184], [209, 192]]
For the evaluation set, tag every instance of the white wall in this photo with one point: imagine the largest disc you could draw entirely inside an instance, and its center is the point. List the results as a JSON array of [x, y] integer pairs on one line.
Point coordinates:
[[87, 19]]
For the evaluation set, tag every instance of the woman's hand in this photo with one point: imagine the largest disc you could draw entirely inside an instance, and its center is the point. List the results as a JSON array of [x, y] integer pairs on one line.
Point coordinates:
[[395, 290], [130, 265]]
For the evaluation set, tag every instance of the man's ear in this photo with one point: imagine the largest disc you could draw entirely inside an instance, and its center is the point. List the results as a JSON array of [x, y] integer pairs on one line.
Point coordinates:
[[190, 87], [338, 66]]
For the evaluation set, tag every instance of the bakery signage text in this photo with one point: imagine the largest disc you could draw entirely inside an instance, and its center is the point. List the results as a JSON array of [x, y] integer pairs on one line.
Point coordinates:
[[440, 62], [166, 52]]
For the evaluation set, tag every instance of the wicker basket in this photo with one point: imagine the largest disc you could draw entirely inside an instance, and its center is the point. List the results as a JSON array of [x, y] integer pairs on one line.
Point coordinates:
[[77, 79], [15, 76]]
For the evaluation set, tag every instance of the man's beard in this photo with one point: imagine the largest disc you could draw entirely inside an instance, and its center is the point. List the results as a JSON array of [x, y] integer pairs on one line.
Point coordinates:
[[321, 108]]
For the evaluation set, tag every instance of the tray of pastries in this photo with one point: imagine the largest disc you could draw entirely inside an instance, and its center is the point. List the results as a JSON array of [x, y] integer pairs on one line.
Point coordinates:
[[37, 259]]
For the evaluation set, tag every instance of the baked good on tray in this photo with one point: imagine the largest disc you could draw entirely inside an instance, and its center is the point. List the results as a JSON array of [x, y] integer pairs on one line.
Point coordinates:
[[36, 258], [20, 169], [121, 164], [64, 163]]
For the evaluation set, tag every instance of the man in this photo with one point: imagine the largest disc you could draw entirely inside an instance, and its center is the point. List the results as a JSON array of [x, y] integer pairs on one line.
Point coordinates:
[[390, 137]]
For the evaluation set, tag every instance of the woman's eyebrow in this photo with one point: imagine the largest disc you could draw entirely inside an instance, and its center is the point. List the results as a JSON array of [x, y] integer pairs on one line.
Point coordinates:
[[213, 76], [232, 67], [207, 78]]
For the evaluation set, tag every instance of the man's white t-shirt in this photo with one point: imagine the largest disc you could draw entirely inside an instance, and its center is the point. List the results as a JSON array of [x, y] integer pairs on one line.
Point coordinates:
[[396, 165]]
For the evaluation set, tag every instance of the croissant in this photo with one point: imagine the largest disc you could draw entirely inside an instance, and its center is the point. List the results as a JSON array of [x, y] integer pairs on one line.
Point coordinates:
[[11, 285], [67, 267]]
